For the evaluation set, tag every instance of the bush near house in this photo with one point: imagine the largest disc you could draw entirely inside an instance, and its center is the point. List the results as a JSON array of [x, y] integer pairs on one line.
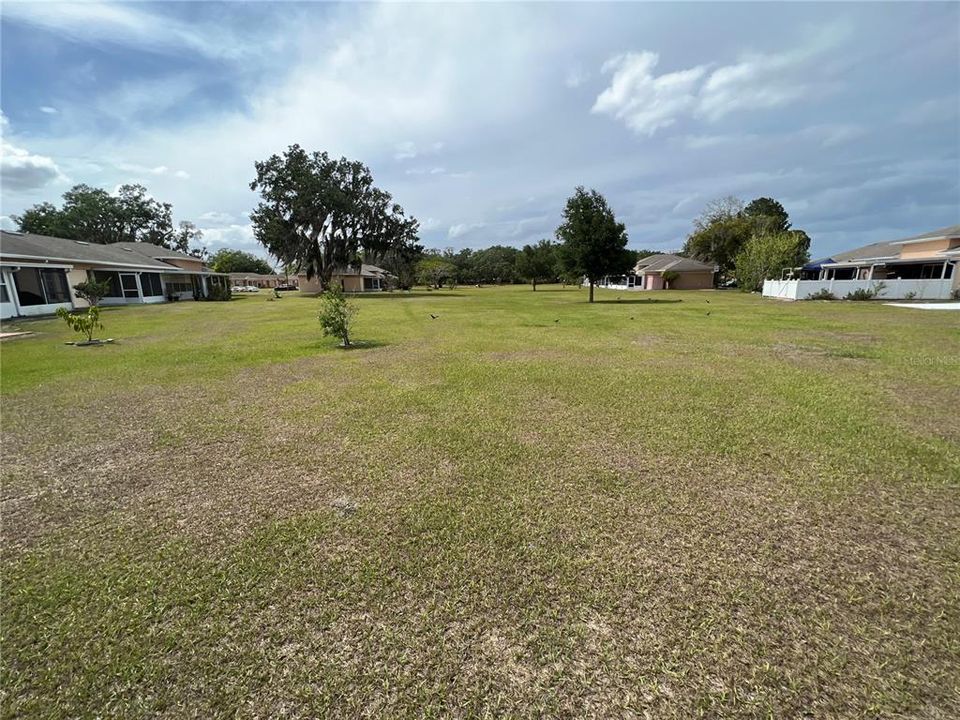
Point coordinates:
[[870, 293], [822, 294]]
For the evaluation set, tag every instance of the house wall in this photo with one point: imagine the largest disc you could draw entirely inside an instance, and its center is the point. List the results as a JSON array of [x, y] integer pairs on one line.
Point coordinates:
[[349, 283], [693, 280], [76, 276], [652, 282], [308, 286], [185, 264], [924, 249]]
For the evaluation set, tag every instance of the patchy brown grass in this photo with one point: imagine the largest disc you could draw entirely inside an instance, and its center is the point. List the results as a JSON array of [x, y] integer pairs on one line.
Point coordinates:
[[486, 516]]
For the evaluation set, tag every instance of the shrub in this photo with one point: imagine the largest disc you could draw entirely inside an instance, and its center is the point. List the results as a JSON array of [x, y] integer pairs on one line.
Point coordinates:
[[822, 294], [669, 277], [955, 295], [866, 293], [336, 314], [219, 293], [86, 323], [910, 295], [92, 291]]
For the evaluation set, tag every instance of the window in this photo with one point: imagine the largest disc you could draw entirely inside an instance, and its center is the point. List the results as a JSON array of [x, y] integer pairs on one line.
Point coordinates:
[[177, 284], [150, 284], [4, 295], [41, 287], [55, 286], [112, 278]]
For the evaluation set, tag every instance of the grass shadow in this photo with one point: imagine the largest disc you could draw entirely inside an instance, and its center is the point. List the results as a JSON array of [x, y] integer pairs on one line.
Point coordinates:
[[639, 301], [331, 344]]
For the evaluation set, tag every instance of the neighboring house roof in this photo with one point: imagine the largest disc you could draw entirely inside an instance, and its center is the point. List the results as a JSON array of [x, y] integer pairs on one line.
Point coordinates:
[[889, 250], [953, 231], [662, 263], [140, 256], [254, 276]]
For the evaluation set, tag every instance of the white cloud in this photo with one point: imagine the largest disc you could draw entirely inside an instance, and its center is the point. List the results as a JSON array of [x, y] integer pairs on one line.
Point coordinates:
[[7, 223], [48, 110], [461, 229], [405, 151], [425, 171], [646, 102], [643, 101], [232, 236], [429, 224], [943, 109], [219, 218], [21, 170], [575, 77], [409, 150], [126, 24], [834, 135]]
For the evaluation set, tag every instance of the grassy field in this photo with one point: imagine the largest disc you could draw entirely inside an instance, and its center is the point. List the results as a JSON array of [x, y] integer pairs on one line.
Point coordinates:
[[669, 506]]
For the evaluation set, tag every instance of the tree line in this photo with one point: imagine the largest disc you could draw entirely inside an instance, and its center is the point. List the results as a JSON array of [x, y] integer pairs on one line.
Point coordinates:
[[318, 214], [95, 216]]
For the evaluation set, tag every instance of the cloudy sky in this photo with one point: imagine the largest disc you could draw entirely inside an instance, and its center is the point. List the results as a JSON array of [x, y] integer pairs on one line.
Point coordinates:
[[481, 119]]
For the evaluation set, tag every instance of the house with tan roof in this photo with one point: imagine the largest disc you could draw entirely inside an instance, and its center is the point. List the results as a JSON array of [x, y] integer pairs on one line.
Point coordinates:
[[664, 272], [351, 279], [921, 266], [38, 272]]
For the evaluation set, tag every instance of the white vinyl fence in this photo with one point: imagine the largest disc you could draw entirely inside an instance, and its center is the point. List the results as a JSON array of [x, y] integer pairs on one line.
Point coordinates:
[[891, 289]]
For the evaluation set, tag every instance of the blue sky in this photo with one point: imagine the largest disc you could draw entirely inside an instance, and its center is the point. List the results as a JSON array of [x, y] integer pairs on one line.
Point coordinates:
[[481, 118]]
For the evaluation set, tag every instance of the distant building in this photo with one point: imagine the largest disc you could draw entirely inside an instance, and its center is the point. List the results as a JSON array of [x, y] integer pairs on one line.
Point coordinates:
[[366, 278], [262, 281], [648, 274], [38, 272]]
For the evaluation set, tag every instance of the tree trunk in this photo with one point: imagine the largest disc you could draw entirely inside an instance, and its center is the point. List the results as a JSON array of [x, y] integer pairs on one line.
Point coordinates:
[[534, 284], [591, 291]]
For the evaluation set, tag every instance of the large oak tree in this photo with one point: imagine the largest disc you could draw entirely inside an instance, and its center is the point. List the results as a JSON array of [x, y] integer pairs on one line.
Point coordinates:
[[319, 213]]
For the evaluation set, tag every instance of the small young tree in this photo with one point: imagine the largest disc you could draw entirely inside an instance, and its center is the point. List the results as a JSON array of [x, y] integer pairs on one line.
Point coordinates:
[[594, 243], [86, 323], [336, 314], [92, 291], [537, 262], [765, 255]]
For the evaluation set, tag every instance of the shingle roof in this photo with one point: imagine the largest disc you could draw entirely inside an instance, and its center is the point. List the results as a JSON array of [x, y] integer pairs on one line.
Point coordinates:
[[664, 262], [142, 256], [953, 231], [889, 248]]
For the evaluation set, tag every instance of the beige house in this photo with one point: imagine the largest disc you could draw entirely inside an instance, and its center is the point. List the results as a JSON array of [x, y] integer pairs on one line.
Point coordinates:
[[923, 267], [366, 278], [648, 274], [38, 272]]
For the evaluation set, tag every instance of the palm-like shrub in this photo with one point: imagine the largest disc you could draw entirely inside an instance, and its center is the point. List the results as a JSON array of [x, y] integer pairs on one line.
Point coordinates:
[[87, 323]]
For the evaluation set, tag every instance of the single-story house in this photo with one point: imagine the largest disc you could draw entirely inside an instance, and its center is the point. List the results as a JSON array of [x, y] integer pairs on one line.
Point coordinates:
[[648, 274], [352, 279], [260, 280], [922, 266], [38, 272]]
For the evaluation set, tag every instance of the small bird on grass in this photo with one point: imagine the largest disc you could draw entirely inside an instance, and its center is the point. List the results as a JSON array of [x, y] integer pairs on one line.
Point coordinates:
[[557, 320], [434, 316], [707, 302], [631, 317], [708, 313]]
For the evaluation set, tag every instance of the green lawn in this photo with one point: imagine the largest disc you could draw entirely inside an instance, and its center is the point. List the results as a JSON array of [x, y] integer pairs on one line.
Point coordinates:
[[676, 505]]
